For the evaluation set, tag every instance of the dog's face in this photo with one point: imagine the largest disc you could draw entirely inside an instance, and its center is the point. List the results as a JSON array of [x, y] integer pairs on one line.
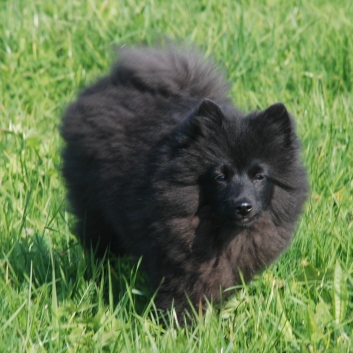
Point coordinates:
[[238, 161], [238, 196]]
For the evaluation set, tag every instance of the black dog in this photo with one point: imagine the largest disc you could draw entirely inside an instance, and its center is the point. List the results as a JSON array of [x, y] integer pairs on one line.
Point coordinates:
[[159, 164]]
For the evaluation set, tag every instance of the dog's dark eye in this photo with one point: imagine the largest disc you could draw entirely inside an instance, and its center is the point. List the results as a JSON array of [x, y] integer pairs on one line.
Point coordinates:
[[221, 177], [259, 177]]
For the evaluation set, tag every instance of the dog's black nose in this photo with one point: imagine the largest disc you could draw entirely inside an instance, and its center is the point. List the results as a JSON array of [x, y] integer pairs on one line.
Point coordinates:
[[243, 208]]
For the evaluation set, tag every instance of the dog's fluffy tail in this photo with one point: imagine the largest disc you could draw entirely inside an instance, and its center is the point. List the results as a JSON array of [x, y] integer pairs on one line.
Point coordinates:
[[172, 72]]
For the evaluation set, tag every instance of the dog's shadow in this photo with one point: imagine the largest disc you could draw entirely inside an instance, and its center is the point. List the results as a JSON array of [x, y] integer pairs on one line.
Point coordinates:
[[39, 262]]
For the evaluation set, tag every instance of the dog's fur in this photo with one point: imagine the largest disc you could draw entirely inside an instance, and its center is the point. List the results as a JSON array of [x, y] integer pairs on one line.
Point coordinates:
[[159, 164]]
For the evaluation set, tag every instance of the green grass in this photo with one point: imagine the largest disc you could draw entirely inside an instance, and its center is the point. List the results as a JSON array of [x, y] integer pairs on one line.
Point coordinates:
[[53, 299]]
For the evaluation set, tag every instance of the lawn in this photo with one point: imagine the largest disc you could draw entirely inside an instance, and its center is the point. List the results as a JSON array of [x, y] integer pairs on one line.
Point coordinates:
[[54, 298]]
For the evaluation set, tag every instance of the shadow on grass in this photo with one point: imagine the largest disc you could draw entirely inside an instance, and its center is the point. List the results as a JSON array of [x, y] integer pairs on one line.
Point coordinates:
[[39, 261]]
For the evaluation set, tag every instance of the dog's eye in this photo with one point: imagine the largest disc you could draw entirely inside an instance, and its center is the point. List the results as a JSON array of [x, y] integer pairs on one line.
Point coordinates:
[[259, 177], [221, 177]]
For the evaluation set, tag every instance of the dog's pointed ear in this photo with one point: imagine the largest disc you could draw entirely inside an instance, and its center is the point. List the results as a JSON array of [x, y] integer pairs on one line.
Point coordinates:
[[204, 121], [277, 124], [277, 117], [209, 113]]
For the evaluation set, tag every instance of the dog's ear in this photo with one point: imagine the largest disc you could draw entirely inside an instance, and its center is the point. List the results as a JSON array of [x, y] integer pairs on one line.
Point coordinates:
[[208, 114], [277, 123], [277, 115], [204, 121]]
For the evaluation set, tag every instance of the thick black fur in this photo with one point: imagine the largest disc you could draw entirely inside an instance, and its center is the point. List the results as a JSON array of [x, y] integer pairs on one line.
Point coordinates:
[[159, 164]]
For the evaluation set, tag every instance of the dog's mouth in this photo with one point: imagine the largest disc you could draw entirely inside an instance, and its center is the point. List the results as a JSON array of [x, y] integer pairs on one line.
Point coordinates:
[[245, 221], [237, 220]]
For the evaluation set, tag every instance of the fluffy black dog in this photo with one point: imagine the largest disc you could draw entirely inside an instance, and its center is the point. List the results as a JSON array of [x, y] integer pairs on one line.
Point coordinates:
[[159, 164]]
